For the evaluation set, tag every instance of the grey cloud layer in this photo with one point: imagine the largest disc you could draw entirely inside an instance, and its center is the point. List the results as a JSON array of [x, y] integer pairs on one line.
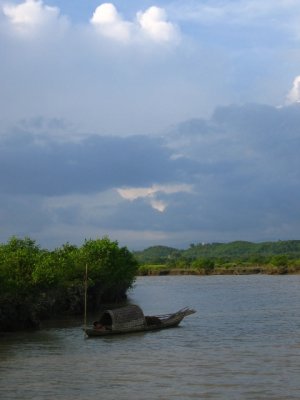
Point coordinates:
[[31, 165], [242, 164]]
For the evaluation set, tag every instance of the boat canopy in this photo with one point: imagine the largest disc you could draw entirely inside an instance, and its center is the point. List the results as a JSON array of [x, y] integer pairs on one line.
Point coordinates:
[[123, 318]]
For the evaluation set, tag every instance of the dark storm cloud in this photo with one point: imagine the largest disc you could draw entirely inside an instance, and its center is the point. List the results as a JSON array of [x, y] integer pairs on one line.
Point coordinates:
[[252, 176], [233, 176], [245, 170], [29, 165]]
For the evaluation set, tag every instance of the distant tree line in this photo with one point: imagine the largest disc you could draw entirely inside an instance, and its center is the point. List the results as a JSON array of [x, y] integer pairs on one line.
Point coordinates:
[[234, 257], [37, 283]]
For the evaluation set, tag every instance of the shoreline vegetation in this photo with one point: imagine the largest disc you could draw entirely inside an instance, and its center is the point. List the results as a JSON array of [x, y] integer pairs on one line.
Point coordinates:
[[37, 284], [234, 258], [229, 269]]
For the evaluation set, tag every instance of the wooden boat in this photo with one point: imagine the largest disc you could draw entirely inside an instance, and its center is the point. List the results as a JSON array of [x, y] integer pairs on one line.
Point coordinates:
[[131, 318]]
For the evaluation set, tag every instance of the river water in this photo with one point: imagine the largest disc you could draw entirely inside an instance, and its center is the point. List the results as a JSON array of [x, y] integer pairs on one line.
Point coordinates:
[[243, 343]]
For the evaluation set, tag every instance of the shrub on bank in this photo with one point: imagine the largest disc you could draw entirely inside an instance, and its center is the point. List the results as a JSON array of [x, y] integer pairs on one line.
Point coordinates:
[[41, 283]]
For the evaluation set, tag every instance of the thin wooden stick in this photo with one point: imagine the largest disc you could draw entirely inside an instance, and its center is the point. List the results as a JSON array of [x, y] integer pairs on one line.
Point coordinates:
[[85, 296]]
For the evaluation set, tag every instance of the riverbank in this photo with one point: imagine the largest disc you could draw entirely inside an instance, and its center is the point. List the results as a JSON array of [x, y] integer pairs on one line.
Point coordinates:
[[226, 269]]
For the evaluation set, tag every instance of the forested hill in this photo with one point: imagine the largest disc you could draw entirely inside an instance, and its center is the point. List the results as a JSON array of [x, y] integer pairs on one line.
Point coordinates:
[[229, 251], [157, 254]]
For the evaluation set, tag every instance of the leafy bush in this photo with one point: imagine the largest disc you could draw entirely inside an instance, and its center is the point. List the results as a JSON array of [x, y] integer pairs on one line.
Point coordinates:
[[206, 264], [18, 260], [25, 268], [280, 260]]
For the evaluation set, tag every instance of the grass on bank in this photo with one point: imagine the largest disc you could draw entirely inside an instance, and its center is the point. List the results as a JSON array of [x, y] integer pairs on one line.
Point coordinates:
[[228, 268]]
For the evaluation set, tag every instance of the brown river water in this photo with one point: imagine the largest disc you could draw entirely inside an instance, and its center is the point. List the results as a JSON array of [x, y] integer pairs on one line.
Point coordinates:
[[243, 343]]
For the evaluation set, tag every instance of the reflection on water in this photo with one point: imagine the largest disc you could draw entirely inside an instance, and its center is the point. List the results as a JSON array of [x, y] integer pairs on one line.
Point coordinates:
[[243, 343]]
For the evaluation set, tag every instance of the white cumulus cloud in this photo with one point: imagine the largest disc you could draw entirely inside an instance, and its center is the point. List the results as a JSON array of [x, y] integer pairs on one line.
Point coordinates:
[[294, 94], [158, 205], [31, 15], [110, 23], [151, 194], [151, 24]]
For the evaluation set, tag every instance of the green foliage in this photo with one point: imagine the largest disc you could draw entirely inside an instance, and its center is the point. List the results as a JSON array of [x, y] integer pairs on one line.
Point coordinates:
[[17, 262], [58, 267], [280, 260], [238, 251], [108, 263], [153, 269], [238, 257], [206, 264], [25, 268], [45, 273], [157, 255], [182, 263]]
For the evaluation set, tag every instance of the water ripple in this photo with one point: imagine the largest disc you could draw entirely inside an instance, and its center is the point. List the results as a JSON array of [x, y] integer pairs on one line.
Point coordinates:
[[243, 343]]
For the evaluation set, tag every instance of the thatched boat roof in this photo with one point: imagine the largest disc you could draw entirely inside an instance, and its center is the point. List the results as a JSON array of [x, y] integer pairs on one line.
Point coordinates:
[[123, 318], [131, 319]]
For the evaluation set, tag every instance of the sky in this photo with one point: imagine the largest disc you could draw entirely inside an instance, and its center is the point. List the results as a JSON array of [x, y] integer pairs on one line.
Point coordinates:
[[154, 123]]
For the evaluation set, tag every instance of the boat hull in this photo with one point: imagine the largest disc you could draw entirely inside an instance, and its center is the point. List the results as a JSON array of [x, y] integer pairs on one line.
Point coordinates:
[[149, 323], [91, 332]]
